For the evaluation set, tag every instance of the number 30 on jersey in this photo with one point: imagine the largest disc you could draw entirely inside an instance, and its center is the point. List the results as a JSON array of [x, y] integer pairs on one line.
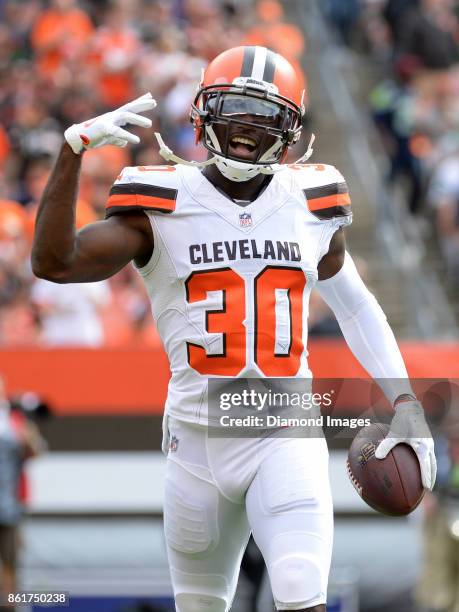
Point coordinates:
[[229, 321]]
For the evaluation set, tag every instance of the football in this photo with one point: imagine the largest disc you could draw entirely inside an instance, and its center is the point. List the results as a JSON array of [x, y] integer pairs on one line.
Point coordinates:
[[392, 485]]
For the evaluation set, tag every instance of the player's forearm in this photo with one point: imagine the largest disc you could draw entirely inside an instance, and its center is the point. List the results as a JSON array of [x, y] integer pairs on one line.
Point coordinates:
[[54, 241], [366, 330]]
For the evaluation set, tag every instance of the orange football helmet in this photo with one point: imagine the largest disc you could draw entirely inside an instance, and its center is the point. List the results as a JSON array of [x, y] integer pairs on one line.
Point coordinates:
[[271, 88], [253, 88]]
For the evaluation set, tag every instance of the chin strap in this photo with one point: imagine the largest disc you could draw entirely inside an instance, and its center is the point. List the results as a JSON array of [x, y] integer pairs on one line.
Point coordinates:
[[168, 155], [309, 151]]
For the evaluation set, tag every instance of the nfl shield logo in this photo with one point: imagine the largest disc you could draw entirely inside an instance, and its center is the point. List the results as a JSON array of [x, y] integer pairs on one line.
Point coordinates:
[[173, 444], [245, 219]]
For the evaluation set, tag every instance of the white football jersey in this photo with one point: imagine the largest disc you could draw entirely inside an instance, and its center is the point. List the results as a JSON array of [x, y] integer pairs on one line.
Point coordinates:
[[230, 285]]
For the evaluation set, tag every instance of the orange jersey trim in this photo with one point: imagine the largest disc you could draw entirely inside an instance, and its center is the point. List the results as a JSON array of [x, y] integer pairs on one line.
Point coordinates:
[[339, 199], [142, 201], [125, 197]]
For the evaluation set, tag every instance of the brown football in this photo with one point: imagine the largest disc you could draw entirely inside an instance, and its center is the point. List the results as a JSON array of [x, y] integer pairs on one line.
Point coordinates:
[[392, 485]]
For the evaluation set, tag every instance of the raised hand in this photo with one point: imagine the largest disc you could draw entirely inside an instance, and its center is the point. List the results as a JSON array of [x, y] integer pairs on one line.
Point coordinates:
[[106, 129]]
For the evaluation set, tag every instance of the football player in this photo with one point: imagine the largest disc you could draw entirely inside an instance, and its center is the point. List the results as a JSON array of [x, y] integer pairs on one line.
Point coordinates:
[[229, 250]]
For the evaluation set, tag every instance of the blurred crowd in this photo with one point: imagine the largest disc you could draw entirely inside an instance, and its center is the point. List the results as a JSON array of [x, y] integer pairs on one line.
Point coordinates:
[[65, 61], [414, 46]]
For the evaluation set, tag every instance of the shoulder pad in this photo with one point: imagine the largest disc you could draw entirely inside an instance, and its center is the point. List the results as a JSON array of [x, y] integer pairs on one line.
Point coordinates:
[[326, 191], [152, 188]]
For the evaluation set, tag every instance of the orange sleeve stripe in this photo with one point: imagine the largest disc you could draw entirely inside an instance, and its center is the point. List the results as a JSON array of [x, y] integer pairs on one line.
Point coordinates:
[[339, 199], [142, 201]]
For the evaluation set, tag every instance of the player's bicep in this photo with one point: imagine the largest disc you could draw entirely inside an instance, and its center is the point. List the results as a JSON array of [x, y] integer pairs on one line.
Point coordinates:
[[104, 247], [329, 201], [332, 262]]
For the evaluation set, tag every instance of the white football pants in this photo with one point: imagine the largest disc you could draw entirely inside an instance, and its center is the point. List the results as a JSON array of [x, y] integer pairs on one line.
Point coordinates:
[[218, 490]]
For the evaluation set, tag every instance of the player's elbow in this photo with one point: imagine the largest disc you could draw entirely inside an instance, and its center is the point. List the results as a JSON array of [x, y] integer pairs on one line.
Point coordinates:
[[43, 269], [54, 276]]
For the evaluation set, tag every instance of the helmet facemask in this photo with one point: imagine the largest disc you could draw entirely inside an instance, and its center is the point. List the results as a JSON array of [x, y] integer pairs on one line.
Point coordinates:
[[231, 115]]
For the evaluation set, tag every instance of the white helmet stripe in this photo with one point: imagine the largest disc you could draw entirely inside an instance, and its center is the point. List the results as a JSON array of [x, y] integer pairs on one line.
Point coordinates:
[[259, 63]]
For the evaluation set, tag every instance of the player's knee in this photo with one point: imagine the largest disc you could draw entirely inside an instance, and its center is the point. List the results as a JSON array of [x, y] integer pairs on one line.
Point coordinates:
[[194, 602], [197, 592], [297, 579]]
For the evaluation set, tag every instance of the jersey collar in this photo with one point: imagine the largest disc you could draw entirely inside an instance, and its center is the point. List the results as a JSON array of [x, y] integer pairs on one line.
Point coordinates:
[[207, 195]]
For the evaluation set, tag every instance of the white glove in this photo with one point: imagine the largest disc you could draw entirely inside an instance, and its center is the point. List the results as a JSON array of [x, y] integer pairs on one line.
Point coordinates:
[[409, 426], [105, 129]]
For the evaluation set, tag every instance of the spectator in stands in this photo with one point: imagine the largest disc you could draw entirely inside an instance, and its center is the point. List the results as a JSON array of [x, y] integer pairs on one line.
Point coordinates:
[[129, 319], [70, 315], [444, 200], [58, 38], [415, 105], [429, 33], [33, 133], [272, 31], [395, 11], [405, 109], [16, 319], [344, 15], [13, 243], [115, 49], [438, 587], [19, 441]]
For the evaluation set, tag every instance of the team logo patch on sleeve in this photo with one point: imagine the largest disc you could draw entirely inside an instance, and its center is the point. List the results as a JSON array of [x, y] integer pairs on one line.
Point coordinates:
[[245, 219]]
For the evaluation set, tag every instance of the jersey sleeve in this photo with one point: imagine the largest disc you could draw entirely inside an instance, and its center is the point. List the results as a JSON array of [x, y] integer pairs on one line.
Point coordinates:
[[326, 193], [149, 188]]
